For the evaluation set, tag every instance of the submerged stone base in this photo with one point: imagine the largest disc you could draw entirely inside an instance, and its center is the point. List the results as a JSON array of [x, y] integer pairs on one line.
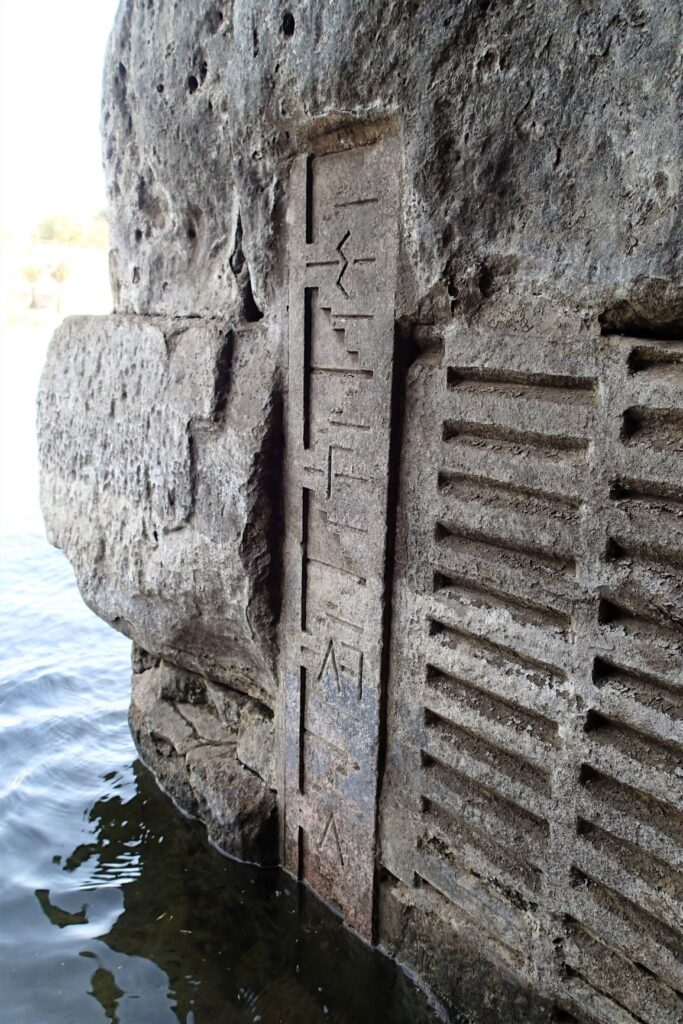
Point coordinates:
[[210, 748], [462, 981]]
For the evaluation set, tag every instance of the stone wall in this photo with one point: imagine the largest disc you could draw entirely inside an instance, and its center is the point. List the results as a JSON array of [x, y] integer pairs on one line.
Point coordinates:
[[532, 794], [379, 463]]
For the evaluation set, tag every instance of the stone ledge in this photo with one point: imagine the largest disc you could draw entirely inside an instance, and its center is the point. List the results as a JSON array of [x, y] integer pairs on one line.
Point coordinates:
[[159, 454]]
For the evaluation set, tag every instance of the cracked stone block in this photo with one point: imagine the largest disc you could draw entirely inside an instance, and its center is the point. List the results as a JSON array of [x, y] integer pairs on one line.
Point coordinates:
[[194, 755]]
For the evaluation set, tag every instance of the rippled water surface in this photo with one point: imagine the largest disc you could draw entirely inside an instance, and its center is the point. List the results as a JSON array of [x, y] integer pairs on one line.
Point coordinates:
[[112, 906]]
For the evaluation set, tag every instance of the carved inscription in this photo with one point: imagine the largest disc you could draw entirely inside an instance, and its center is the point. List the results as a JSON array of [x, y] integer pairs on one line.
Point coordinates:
[[343, 258]]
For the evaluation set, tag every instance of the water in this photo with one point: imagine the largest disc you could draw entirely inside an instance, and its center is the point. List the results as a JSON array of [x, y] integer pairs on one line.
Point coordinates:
[[112, 906]]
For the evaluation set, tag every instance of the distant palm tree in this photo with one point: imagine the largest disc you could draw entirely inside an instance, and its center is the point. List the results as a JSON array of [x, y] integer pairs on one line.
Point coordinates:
[[32, 273], [60, 274]]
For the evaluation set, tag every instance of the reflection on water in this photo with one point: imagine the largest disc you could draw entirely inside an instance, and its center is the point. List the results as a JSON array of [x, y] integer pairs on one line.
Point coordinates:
[[233, 943], [198, 938], [112, 906]]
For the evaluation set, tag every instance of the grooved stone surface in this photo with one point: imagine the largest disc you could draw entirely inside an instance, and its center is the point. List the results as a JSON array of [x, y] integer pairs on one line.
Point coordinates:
[[343, 253], [384, 440], [533, 798]]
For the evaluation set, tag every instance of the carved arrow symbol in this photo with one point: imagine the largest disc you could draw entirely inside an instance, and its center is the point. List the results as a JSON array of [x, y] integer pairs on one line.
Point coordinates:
[[332, 830], [330, 660], [345, 265]]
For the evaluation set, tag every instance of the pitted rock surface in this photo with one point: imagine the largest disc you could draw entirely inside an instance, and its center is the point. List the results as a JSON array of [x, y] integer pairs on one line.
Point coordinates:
[[541, 148]]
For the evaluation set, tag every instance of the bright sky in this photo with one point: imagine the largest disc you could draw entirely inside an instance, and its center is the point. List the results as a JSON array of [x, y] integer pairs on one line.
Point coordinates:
[[51, 60]]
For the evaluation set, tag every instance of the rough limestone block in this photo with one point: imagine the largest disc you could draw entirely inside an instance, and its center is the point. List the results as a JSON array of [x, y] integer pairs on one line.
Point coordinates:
[[541, 150], [195, 755], [159, 456], [256, 743], [240, 811]]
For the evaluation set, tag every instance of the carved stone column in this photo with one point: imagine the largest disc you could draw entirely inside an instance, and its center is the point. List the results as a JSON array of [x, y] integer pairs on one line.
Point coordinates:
[[343, 260]]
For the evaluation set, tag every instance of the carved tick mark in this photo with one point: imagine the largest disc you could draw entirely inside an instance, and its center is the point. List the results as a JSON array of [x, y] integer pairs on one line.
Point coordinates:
[[330, 468], [341, 252]]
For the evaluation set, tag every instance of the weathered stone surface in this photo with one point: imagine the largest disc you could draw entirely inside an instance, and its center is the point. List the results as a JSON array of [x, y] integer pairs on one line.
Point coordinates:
[[192, 734], [514, 764], [343, 264], [532, 797], [160, 448], [256, 744], [541, 147]]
